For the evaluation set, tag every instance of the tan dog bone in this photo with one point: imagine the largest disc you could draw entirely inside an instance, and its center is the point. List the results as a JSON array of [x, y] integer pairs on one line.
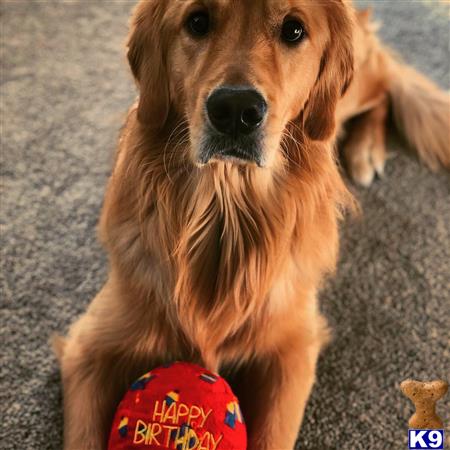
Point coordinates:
[[424, 395]]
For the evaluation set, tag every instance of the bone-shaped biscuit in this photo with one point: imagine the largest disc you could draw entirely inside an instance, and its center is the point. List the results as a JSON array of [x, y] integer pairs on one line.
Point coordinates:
[[424, 395]]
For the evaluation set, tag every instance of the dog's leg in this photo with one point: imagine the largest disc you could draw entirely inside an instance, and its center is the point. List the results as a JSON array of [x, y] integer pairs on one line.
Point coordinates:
[[91, 393], [273, 393], [365, 146], [98, 363]]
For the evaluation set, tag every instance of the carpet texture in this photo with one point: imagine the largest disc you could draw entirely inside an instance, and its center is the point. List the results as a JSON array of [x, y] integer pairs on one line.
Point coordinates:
[[65, 88]]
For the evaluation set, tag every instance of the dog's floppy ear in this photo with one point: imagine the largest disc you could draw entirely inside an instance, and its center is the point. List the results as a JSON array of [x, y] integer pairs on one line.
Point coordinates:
[[335, 74], [146, 56]]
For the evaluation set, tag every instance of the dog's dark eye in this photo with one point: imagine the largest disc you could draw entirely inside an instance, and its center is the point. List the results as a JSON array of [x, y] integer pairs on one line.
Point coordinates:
[[292, 31], [198, 24]]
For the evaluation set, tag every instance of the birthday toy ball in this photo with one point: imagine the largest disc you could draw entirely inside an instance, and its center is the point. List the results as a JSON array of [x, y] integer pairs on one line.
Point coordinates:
[[179, 406]]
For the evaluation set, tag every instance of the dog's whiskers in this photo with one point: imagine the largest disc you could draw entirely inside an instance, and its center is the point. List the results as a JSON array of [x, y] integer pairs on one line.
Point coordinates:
[[180, 129]]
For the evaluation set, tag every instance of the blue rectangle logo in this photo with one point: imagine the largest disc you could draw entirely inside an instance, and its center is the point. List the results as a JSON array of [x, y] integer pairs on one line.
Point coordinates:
[[426, 439]]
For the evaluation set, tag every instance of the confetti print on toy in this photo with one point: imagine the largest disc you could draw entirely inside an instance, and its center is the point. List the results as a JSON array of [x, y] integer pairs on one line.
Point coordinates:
[[209, 378], [172, 397], [123, 427], [142, 382], [137, 399], [233, 414]]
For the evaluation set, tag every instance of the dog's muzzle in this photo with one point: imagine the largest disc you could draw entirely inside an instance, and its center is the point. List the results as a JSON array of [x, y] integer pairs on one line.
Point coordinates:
[[235, 116]]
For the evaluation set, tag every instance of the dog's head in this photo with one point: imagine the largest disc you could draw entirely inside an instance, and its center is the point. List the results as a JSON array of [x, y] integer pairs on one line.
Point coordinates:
[[240, 72]]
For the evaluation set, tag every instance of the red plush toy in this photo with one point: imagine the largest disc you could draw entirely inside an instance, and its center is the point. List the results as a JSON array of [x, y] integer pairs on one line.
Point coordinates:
[[179, 407]]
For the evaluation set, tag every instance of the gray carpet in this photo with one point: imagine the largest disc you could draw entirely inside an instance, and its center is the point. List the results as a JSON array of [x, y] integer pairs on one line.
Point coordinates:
[[64, 90]]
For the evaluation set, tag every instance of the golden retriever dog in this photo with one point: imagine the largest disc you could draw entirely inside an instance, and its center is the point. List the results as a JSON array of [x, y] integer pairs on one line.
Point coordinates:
[[221, 215]]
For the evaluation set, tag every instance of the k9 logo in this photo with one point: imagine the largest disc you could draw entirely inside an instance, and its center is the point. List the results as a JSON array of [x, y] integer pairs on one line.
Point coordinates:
[[426, 439]]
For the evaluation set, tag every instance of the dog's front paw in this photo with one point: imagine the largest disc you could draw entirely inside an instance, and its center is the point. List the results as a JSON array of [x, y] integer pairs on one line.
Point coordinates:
[[364, 162]]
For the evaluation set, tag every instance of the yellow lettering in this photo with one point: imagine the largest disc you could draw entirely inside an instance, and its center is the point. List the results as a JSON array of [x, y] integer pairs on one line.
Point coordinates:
[[194, 413], [214, 442], [169, 430], [149, 434], [139, 432], [157, 413], [185, 440], [171, 414], [205, 416], [204, 443], [208, 441], [189, 435], [155, 431], [183, 410], [180, 440]]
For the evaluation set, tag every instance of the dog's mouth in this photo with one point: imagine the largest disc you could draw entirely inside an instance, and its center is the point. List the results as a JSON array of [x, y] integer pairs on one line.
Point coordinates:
[[243, 150], [236, 155]]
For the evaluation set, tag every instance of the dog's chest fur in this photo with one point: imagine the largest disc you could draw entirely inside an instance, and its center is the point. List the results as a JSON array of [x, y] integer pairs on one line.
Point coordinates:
[[221, 253]]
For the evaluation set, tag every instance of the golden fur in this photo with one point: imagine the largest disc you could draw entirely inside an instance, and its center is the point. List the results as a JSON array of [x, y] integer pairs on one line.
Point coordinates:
[[220, 264]]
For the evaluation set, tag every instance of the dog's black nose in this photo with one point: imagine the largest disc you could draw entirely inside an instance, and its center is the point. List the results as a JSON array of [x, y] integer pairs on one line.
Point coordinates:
[[236, 110]]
